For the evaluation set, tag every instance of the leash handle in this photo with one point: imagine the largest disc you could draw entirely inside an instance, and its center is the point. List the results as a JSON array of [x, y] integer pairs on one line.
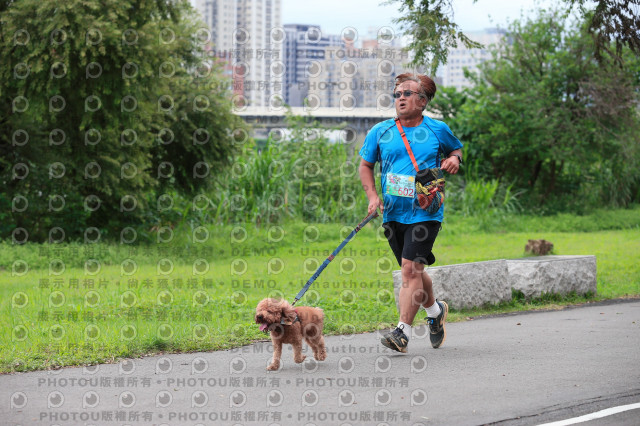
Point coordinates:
[[333, 255]]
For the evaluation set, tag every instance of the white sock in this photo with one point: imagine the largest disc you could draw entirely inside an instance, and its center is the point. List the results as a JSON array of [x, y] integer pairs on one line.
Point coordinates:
[[433, 311], [406, 328]]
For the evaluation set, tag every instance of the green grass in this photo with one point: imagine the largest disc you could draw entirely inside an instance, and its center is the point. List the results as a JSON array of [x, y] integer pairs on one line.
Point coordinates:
[[82, 316]]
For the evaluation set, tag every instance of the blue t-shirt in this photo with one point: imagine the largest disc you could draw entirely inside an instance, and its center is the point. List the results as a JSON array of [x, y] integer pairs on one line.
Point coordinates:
[[384, 143]]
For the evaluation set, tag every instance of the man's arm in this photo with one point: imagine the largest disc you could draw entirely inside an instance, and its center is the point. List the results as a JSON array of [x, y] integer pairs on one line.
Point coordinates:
[[369, 186]]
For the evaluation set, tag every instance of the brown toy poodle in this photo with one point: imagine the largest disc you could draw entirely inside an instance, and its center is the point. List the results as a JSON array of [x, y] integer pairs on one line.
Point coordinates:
[[289, 325]]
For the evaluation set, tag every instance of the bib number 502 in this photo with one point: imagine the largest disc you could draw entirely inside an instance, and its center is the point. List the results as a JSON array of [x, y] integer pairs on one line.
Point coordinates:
[[406, 192]]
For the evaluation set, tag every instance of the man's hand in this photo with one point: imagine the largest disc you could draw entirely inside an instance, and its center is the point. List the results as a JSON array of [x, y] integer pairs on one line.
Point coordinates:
[[374, 203], [451, 164], [369, 186]]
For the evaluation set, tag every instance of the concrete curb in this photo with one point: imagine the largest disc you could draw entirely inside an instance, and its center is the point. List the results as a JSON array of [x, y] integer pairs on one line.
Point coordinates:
[[469, 285]]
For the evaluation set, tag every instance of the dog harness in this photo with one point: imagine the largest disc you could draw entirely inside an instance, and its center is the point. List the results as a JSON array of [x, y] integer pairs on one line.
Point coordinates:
[[294, 321]]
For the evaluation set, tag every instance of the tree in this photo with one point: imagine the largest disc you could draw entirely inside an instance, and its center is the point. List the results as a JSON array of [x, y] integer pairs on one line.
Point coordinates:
[[614, 22], [547, 116], [433, 31], [105, 102], [447, 103]]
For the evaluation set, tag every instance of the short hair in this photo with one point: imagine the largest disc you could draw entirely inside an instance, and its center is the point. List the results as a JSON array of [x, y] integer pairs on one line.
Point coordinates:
[[427, 85]]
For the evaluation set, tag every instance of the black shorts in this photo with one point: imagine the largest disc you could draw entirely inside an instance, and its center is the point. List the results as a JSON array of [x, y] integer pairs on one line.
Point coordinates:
[[412, 241]]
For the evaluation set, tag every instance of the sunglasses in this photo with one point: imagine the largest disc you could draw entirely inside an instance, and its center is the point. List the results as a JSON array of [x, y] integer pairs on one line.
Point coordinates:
[[405, 93]]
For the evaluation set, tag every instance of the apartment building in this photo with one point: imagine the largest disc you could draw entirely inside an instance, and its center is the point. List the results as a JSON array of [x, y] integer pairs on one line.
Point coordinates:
[[357, 77], [248, 35], [452, 73]]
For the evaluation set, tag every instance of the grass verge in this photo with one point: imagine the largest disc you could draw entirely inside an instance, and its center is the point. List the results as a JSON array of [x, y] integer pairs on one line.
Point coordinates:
[[83, 304]]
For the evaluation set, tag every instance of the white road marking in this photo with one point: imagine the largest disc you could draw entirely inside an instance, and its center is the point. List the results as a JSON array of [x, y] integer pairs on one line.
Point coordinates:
[[597, 415]]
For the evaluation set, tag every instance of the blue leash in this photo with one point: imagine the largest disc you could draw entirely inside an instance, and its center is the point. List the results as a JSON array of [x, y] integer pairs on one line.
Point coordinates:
[[333, 255]]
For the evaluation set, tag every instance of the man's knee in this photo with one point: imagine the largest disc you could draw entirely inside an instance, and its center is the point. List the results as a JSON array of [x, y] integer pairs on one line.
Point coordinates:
[[411, 270]]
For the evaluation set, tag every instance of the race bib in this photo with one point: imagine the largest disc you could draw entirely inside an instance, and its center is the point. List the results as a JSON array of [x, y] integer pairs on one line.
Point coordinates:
[[401, 185]]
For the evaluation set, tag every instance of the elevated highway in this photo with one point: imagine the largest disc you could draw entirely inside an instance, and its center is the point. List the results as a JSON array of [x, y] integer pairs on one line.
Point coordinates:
[[353, 124]]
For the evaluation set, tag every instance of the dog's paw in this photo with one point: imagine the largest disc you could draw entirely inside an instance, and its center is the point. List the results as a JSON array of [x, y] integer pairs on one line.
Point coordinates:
[[273, 367], [300, 359], [321, 356]]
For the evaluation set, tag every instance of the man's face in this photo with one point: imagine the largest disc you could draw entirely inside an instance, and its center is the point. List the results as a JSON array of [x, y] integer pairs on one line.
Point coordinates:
[[409, 106]]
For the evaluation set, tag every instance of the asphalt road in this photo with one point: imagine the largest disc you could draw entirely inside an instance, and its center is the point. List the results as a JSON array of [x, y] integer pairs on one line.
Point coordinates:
[[528, 368]]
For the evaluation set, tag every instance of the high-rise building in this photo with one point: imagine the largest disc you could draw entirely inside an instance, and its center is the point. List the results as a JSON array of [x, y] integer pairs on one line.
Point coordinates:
[[248, 36], [452, 73], [258, 39], [303, 47], [361, 77], [220, 16]]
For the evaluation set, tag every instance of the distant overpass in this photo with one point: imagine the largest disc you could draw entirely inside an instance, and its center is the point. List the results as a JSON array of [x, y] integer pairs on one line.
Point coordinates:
[[353, 123]]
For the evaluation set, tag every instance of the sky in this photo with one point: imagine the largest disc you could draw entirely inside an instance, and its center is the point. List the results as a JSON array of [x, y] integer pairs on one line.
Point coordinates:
[[335, 15]]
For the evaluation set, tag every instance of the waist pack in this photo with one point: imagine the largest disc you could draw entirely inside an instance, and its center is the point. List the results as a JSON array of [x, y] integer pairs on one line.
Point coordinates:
[[430, 189], [429, 182]]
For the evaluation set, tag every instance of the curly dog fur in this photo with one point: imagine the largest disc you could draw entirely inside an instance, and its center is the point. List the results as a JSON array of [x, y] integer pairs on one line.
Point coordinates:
[[279, 318]]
